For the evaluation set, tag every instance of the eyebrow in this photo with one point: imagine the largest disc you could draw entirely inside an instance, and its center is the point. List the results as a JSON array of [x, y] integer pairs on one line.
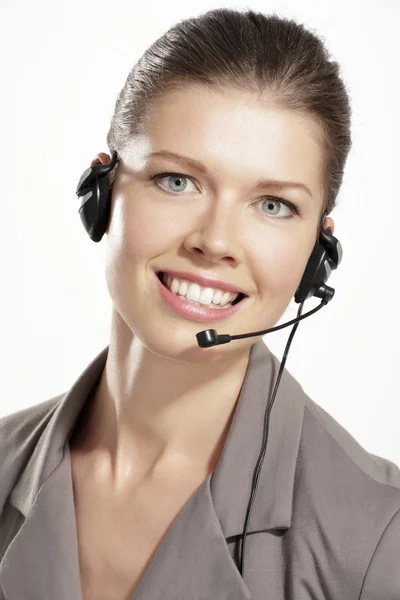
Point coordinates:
[[200, 166]]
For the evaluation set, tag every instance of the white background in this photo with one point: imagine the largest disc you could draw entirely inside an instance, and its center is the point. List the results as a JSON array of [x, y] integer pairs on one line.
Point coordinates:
[[62, 66]]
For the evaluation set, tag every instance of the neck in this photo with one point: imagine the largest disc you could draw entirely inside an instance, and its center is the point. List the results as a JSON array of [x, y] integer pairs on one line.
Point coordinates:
[[151, 413]]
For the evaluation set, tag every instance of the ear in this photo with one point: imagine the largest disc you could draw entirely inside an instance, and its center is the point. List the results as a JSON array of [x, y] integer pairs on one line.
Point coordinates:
[[100, 157], [329, 224]]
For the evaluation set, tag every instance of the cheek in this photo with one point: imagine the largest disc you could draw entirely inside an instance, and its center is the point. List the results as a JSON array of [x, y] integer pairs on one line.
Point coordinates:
[[281, 267], [141, 229]]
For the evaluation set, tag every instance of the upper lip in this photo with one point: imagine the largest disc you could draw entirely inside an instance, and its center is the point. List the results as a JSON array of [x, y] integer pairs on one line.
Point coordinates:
[[204, 281]]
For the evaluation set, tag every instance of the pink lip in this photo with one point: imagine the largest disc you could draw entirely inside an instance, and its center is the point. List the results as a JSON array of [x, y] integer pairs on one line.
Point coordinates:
[[205, 281], [194, 312]]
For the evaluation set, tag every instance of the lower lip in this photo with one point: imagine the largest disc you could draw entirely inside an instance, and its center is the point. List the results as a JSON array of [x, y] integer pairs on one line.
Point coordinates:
[[194, 312]]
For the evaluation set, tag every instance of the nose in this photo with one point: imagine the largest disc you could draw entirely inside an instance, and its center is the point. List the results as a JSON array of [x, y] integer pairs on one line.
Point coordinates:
[[215, 234]]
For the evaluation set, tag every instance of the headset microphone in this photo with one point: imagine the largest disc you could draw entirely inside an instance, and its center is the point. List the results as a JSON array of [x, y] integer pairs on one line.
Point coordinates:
[[95, 193], [209, 337]]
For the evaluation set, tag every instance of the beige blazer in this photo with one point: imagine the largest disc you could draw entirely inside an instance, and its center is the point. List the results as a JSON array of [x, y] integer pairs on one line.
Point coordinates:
[[325, 523]]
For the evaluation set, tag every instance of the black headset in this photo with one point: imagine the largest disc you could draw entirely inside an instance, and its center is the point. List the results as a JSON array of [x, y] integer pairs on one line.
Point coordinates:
[[95, 191]]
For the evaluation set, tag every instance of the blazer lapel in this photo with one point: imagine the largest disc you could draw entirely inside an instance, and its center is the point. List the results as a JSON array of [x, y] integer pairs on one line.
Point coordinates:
[[42, 560], [193, 561], [231, 482]]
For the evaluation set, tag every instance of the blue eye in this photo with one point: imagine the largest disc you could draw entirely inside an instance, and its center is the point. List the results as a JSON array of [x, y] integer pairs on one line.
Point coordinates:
[[175, 178], [180, 181], [275, 200]]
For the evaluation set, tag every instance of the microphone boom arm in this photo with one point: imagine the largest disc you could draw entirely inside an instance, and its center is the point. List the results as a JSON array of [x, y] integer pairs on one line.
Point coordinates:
[[209, 337]]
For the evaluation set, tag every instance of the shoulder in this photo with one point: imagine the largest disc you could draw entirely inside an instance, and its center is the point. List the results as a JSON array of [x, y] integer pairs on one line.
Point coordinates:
[[324, 432], [353, 495], [22, 427], [19, 435]]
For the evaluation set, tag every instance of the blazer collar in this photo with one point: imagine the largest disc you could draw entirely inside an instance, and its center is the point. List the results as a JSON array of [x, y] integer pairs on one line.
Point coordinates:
[[231, 481]]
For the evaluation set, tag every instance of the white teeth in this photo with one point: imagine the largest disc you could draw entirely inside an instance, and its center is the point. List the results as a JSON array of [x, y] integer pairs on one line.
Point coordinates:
[[211, 305], [217, 297], [192, 291], [175, 286], [183, 288]]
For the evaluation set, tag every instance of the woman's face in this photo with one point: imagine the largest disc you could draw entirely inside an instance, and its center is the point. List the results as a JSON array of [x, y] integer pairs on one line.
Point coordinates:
[[218, 223]]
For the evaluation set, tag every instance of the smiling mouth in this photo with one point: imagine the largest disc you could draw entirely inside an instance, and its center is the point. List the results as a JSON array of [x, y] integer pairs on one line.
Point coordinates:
[[236, 301]]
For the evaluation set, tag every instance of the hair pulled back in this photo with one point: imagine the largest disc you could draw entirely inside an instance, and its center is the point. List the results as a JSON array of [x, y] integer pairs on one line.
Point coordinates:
[[275, 58]]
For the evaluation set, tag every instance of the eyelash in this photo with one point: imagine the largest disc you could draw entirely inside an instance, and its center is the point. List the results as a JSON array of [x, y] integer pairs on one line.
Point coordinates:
[[293, 208]]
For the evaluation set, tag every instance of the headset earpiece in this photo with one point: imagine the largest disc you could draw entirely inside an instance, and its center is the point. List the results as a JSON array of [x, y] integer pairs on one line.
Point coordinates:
[[94, 190], [325, 258]]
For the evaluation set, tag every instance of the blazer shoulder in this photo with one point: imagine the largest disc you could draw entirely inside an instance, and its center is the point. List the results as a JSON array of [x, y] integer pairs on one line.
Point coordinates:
[[22, 424], [20, 431], [381, 469]]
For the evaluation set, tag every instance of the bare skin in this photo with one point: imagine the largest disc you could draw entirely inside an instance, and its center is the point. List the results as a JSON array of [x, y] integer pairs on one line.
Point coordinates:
[[118, 536], [162, 410]]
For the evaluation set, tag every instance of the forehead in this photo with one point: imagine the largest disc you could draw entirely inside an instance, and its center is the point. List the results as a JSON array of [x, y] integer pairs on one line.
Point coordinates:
[[234, 131]]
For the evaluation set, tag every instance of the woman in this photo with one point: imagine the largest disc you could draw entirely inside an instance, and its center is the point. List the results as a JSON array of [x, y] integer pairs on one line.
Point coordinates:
[[135, 483]]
